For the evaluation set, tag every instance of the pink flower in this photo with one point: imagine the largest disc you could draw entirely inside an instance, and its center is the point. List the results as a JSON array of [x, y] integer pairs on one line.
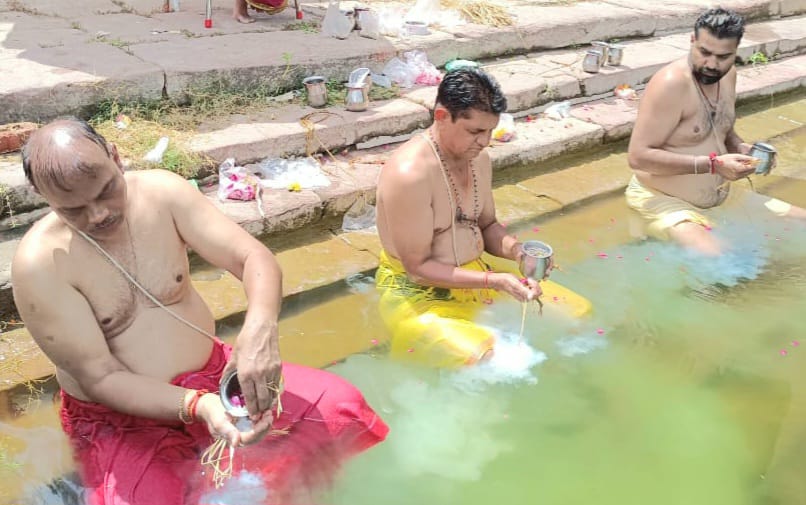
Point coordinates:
[[600, 331], [602, 255]]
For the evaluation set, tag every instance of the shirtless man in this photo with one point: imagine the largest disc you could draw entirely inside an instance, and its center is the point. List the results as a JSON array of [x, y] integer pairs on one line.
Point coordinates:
[[684, 150], [436, 216], [136, 375]]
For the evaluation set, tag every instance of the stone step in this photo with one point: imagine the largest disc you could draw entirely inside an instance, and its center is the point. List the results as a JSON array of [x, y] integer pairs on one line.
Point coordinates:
[[529, 82], [59, 59]]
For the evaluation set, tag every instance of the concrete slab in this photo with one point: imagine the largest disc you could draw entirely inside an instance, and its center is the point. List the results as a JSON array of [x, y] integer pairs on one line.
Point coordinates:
[[767, 80], [545, 138], [279, 133], [349, 184], [514, 204], [615, 115], [364, 240], [581, 183], [65, 9], [64, 71]]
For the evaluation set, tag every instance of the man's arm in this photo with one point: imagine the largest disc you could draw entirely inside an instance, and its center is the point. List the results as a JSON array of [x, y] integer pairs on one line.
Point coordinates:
[[496, 239], [659, 115], [63, 325], [226, 245]]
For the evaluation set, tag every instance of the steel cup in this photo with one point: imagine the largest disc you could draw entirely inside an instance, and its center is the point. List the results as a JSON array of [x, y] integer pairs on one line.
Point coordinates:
[[614, 54], [766, 153], [229, 388], [591, 62], [535, 259], [317, 90], [604, 47]]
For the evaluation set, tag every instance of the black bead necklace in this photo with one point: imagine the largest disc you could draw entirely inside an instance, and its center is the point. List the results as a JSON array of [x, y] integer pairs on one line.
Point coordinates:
[[471, 221]]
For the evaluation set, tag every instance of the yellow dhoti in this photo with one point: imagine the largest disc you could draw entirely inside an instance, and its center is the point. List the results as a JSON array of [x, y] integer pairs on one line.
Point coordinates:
[[435, 326]]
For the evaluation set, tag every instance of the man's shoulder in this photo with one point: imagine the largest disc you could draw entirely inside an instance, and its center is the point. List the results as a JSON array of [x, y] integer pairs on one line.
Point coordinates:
[[410, 162], [36, 249], [152, 178], [674, 74]]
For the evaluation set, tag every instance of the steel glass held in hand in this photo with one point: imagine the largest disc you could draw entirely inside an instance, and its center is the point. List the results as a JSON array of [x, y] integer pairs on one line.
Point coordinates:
[[535, 260], [766, 153]]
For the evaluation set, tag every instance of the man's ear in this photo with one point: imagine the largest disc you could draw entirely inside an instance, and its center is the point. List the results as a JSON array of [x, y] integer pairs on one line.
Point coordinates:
[[441, 114], [113, 151]]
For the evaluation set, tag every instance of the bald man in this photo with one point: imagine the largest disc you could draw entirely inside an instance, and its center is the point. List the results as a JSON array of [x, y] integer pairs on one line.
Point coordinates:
[[103, 285]]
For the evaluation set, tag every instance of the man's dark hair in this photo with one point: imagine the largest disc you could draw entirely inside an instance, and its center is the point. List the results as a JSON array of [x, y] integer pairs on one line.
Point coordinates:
[[470, 88], [41, 155], [722, 23]]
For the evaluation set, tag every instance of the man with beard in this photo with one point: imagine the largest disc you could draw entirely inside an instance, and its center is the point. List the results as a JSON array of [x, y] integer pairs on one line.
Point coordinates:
[[436, 216], [684, 150]]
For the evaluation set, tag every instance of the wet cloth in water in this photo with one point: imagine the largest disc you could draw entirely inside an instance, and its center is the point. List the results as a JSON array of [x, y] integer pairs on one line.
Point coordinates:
[[661, 212], [125, 459], [430, 325]]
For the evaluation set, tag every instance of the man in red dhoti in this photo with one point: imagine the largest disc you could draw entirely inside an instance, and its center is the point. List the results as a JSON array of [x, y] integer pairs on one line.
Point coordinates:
[[103, 285]]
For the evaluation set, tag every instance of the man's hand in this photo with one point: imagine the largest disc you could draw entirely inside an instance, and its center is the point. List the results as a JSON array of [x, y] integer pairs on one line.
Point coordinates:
[[734, 166], [219, 424], [259, 368], [508, 283]]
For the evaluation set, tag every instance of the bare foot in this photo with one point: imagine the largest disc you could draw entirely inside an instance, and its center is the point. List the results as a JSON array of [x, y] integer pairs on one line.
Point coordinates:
[[240, 12], [243, 18]]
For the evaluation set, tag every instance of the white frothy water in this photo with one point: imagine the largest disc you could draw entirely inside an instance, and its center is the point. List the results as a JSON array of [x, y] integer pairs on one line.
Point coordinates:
[[511, 363], [244, 489], [574, 346]]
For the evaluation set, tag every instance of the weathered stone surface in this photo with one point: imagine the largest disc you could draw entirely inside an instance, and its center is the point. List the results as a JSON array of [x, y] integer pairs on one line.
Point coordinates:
[[61, 71], [545, 138], [615, 115], [279, 133], [514, 204], [581, 182]]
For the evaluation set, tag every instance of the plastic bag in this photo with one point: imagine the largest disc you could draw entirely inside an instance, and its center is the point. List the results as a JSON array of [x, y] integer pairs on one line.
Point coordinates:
[[360, 216], [155, 155], [296, 173], [416, 69], [370, 24], [336, 24], [427, 73], [236, 183], [400, 72], [558, 111], [505, 131]]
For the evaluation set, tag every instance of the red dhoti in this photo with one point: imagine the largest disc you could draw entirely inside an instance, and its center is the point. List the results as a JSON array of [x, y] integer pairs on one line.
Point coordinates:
[[132, 460]]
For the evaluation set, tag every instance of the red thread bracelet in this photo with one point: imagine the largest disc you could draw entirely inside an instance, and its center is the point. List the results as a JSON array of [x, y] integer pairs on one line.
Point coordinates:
[[486, 279], [195, 401], [712, 162]]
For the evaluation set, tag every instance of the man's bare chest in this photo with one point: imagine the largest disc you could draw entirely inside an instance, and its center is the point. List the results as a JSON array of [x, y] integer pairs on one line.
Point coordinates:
[[115, 301]]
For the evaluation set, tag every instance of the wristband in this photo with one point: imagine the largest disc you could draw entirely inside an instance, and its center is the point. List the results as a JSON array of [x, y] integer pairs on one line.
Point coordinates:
[[194, 402], [486, 279], [712, 161]]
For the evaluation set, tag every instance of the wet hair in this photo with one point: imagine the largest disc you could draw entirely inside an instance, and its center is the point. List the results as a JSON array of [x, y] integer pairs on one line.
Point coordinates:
[[45, 162], [722, 23], [470, 88]]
